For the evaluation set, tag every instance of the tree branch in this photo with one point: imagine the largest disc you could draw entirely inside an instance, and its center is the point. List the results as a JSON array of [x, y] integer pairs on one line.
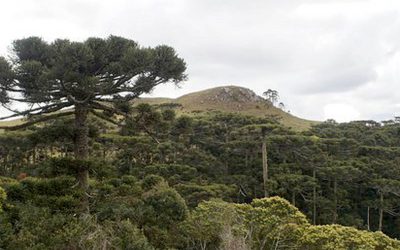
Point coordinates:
[[42, 110], [150, 134], [74, 100], [97, 105], [104, 117], [42, 119]]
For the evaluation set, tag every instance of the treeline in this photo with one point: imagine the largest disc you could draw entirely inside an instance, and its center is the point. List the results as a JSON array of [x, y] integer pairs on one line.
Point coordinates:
[[151, 174]]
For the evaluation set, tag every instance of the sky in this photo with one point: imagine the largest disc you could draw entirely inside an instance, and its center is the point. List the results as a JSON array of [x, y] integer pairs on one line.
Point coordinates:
[[330, 59]]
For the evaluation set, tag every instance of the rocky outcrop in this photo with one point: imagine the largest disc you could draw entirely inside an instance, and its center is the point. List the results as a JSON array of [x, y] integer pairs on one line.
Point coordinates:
[[233, 94]]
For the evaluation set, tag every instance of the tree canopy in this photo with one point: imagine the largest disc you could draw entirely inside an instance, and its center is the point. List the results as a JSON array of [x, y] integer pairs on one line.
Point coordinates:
[[51, 76], [94, 76]]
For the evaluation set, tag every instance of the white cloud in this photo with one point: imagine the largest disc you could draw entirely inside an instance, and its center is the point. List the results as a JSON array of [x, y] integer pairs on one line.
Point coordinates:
[[341, 112], [315, 53]]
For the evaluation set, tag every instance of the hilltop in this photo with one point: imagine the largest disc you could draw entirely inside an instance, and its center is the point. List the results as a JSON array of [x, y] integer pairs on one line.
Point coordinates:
[[230, 99]]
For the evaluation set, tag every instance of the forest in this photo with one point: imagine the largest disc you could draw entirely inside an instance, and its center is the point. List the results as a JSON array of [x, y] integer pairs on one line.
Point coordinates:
[[116, 174], [159, 171]]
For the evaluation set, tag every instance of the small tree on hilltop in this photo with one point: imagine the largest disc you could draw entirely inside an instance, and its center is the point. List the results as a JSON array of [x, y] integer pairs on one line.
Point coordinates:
[[271, 96], [85, 77]]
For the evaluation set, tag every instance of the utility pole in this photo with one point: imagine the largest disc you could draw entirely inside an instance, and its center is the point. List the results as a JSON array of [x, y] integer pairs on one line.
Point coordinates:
[[264, 161]]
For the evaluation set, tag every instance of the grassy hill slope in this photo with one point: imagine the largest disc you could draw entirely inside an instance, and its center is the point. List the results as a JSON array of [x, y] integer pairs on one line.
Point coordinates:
[[226, 99], [230, 99]]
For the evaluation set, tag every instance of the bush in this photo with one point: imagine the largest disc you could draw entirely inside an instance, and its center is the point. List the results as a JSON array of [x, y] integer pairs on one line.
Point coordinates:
[[117, 198], [151, 181], [3, 197], [207, 222], [173, 173], [38, 228], [332, 237], [163, 208], [194, 193], [272, 221], [113, 235], [69, 166], [58, 193]]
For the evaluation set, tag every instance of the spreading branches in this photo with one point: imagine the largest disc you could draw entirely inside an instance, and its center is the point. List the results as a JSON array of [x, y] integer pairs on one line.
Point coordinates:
[[36, 111], [37, 120], [109, 109], [84, 73], [105, 117]]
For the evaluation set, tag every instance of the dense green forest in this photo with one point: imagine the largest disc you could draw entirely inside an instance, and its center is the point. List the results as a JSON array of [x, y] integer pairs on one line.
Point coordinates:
[[90, 167], [195, 182]]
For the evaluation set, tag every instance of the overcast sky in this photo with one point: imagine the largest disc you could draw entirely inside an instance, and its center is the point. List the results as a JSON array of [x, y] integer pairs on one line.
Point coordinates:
[[328, 59]]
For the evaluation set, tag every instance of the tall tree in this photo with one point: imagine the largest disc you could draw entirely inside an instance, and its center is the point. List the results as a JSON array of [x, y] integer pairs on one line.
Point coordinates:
[[385, 187], [264, 160], [85, 77], [271, 96]]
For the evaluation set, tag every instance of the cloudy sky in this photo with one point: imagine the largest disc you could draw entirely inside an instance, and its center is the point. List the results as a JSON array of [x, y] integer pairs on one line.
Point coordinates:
[[335, 59]]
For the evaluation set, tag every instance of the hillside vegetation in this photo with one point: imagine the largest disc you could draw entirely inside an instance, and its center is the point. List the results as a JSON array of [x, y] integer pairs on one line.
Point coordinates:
[[167, 181], [228, 99], [217, 169], [232, 99]]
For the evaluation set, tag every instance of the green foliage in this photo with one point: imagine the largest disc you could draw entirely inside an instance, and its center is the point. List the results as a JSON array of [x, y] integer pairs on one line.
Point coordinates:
[[40, 229], [129, 237], [86, 76], [55, 193], [117, 199], [163, 206], [272, 222], [151, 181], [150, 176], [194, 193], [206, 222], [57, 166], [3, 197], [38, 64], [174, 173], [332, 237]]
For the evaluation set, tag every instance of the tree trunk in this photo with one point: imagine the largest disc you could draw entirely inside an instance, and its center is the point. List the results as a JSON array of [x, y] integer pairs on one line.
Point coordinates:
[[34, 155], [335, 201], [265, 167], [246, 160], [81, 151], [368, 227], [294, 198], [380, 212], [314, 199]]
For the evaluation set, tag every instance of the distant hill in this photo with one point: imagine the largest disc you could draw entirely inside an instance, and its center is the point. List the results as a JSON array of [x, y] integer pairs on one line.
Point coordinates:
[[229, 99], [226, 99]]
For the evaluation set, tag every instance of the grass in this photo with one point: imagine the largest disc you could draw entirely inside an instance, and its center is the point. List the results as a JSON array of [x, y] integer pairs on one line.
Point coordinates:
[[203, 101], [10, 123], [206, 101]]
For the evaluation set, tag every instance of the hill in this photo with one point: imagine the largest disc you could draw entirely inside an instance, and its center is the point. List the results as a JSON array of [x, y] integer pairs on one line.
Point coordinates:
[[226, 99], [230, 99]]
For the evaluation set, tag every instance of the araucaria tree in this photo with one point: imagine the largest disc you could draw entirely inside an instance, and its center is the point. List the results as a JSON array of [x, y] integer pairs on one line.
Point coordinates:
[[64, 78]]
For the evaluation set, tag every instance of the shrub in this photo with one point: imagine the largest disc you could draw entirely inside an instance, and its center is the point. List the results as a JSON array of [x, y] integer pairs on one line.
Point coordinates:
[[69, 166], [333, 237], [208, 221], [272, 222], [151, 181], [3, 197], [163, 208], [38, 228]]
